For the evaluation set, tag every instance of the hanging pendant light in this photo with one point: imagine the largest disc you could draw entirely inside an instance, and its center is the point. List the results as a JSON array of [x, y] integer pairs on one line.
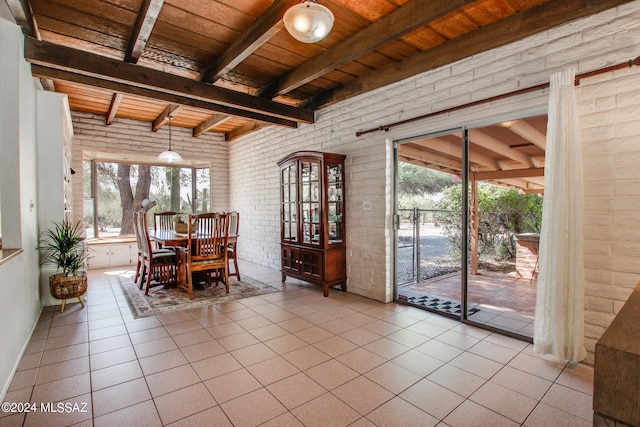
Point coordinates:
[[308, 21], [170, 156]]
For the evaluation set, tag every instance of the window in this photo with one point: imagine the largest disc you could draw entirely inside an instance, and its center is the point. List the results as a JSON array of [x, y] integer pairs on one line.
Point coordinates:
[[112, 191]]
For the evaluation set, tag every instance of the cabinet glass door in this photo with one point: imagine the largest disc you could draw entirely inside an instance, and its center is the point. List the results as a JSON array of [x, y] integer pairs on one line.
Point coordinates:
[[289, 199], [310, 206], [334, 203]]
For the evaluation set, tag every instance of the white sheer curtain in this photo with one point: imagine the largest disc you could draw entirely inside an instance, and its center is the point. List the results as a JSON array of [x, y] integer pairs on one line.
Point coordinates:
[[559, 320]]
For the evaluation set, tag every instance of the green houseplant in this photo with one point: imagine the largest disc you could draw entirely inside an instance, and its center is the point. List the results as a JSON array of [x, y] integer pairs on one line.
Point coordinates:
[[63, 246]]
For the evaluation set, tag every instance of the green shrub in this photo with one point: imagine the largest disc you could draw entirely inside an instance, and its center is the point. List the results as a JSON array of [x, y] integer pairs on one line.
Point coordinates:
[[503, 212]]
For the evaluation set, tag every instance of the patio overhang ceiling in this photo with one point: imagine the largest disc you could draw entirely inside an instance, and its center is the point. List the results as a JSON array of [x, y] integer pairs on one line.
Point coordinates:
[[230, 67], [510, 154]]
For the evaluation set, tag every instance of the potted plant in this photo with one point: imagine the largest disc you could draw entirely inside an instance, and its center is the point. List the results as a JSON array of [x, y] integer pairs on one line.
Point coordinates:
[[181, 223], [64, 246]]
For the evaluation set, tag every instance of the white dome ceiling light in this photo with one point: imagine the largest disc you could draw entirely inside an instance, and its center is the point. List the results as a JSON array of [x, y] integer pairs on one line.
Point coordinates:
[[308, 21]]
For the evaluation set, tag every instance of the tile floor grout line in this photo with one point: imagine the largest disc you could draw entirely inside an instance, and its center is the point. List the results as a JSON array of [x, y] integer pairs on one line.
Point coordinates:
[[342, 308]]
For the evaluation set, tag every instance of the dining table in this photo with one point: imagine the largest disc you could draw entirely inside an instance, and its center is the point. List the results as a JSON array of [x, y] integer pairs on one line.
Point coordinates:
[[169, 237], [178, 240], [172, 238]]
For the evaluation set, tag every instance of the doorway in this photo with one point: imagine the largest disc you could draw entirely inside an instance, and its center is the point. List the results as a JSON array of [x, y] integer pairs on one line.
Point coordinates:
[[468, 216]]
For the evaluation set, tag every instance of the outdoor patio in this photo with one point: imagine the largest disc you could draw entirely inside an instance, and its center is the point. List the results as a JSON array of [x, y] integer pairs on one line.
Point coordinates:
[[497, 299], [429, 276]]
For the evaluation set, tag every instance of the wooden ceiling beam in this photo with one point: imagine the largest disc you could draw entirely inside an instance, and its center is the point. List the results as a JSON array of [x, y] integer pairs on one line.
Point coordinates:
[[534, 184], [145, 22], [243, 130], [521, 179], [409, 17], [509, 174], [209, 124], [521, 184], [183, 99], [163, 118], [479, 138], [113, 108], [510, 164], [518, 184], [453, 149], [23, 15], [500, 33], [430, 158], [262, 29], [528, 132], [136, 78]]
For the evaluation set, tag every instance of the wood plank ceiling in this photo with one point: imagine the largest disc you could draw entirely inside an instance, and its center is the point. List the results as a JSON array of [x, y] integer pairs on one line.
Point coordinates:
[[229, 66], [509, 154]]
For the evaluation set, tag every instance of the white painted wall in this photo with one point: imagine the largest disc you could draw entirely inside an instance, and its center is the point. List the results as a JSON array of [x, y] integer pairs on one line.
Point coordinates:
[[609, 107], [18, 276]]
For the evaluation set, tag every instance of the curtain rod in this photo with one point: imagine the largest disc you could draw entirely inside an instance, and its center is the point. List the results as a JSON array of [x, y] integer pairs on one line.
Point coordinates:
[[579, 77]]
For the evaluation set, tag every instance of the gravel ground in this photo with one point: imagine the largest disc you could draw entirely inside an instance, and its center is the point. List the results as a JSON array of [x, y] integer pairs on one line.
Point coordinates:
[[435, 253]]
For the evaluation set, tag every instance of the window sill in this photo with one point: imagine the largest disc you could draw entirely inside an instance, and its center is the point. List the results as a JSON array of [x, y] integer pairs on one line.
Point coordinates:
[[8, 254], [110, 240]]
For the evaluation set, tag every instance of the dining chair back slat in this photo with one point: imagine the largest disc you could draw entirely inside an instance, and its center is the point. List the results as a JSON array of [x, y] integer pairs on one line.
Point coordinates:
[[208, 234], [164, 220], [207, 248]]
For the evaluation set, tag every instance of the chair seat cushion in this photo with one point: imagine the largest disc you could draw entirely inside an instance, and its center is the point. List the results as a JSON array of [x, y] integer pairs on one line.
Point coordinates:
[[164, 256], [164, 251]]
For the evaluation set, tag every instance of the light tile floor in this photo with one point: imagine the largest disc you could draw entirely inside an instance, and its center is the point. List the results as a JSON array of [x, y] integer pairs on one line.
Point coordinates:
[[291, 358]]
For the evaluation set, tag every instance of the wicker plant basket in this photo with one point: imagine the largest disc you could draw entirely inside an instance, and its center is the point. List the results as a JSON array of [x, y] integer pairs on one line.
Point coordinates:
[[182, 227], [64, 287]]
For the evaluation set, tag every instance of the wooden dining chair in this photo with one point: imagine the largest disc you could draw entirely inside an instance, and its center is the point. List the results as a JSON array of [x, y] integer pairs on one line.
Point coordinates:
[[164, 221], [206, 250], [234, 224], [158, 267]]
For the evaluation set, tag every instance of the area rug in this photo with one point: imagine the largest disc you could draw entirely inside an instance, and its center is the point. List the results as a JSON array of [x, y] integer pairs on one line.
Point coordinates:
[[161, 300]]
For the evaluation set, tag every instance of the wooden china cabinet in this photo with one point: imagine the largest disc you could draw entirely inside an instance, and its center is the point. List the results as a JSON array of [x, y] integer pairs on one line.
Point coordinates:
[[312, 221]]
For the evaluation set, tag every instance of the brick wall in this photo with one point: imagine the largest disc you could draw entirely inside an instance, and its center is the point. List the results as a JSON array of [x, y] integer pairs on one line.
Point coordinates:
[[527, 250], [609, 108], [136, 142]]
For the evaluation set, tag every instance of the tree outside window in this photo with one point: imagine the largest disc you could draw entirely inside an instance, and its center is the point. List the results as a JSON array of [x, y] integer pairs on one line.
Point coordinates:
[[113, 191]]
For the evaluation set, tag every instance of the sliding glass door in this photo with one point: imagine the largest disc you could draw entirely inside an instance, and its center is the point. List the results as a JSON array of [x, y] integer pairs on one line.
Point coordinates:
[[431, 261], [505, 206], [469, 209]]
